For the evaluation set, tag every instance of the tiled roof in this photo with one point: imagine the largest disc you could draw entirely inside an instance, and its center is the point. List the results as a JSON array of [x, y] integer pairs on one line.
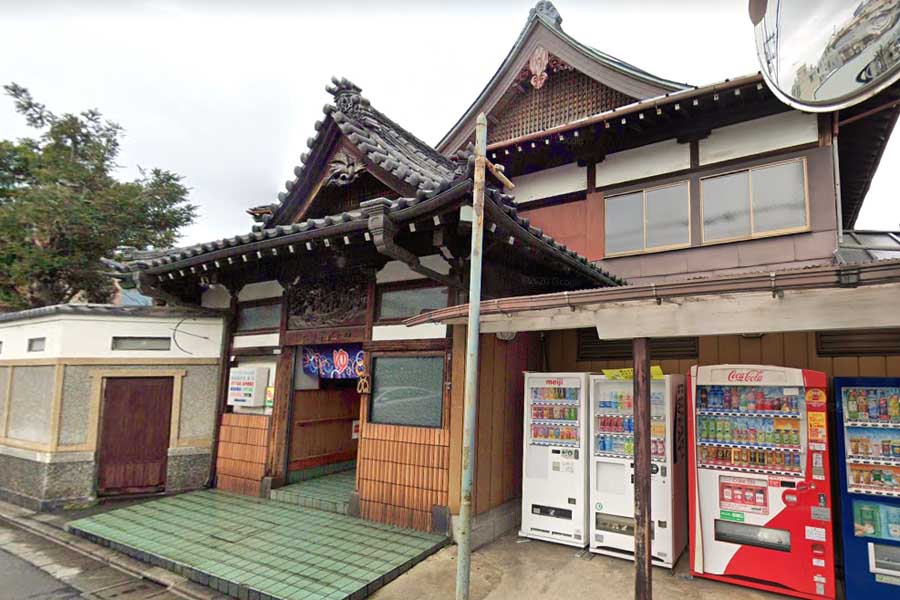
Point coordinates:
[[137, 261], [382, 141], [107, 310]]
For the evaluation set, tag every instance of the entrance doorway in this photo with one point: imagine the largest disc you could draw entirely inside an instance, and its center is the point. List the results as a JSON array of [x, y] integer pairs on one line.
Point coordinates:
[[322, 438], [134, 434]]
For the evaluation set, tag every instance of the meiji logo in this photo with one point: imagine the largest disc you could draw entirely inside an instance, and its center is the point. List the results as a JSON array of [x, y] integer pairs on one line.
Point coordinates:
[[553, 381], [751, 376]]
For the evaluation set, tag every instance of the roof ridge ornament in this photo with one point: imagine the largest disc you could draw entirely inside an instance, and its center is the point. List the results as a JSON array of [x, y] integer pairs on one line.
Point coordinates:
[[347, 97], [548, 12]]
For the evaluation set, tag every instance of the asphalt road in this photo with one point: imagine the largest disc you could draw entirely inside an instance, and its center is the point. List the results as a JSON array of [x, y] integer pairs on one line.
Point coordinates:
[[20, 580], [35, 568]]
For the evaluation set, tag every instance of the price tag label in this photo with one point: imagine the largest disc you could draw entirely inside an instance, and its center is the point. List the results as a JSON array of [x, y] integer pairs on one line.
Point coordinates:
[[656, 372]]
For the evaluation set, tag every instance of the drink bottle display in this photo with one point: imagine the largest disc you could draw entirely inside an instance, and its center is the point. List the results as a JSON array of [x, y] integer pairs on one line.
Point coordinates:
[[759, 478], [868, 416], [555, 450], [612, 467]]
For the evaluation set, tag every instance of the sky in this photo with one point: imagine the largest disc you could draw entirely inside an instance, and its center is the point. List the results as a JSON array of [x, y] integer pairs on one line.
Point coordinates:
[[226, 93]]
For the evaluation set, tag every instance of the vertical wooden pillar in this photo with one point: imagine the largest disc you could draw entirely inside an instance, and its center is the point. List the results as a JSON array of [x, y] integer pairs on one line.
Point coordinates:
[[642, 516], [280, 426]]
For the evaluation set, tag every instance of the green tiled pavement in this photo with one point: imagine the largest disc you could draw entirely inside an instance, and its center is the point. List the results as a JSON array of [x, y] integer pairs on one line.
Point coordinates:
[[329, 492], [254, 548]]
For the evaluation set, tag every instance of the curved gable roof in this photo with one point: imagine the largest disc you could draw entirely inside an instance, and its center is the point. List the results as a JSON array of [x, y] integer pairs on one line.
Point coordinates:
[[543, 28]]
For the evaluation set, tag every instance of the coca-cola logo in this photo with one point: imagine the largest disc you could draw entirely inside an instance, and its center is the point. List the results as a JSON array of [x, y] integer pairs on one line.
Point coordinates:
[[751, 376]]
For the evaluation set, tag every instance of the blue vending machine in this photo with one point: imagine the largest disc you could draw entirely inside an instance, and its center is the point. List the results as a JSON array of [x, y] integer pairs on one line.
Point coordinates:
[[868, 416]]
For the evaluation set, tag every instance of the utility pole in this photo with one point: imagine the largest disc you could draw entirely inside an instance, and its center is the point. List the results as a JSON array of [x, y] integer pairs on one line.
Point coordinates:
[[471, 386], [643, 574]]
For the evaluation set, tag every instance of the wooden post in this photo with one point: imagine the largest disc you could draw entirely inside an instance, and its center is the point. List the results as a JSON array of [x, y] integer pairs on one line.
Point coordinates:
[[280, 426], [643, 574]]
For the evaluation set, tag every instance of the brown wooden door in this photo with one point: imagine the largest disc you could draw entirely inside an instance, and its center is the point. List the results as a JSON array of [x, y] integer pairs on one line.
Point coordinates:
[[134, 434]]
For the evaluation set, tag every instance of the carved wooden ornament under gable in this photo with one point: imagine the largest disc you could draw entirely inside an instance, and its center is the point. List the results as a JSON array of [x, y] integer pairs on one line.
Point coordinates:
[[344, 169], [539, 64]]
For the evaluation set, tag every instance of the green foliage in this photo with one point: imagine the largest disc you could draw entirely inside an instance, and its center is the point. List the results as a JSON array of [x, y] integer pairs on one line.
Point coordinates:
[[62, 210]]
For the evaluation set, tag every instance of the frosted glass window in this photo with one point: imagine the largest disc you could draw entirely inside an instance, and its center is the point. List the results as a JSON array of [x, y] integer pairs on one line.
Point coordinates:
[[624, 223], [402, 303], [668, 216], [407, 390], [726, 206], [774, 194], [141, 343], [262, 316], [37, 344], [779, 197]]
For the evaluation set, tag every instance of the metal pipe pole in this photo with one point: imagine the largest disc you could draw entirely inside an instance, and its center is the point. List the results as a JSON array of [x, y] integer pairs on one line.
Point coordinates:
[[643, 573], [464, 536]]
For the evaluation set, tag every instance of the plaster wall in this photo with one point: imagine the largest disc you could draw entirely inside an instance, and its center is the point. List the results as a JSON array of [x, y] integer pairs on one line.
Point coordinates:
[[260, 291], [38, 473], [646, 161], [31, 404], [91, 337], [255, 340], [784, 130], [395, 270], [549, 182]]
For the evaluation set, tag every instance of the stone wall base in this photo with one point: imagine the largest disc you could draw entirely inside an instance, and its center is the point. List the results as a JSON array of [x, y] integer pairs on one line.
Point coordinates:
[[492, 524], [50, 482]]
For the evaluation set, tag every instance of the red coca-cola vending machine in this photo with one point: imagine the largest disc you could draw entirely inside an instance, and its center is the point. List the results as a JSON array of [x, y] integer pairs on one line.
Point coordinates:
[[759, 481]]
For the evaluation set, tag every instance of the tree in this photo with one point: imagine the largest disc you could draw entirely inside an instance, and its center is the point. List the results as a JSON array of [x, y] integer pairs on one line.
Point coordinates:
[[62, 209]]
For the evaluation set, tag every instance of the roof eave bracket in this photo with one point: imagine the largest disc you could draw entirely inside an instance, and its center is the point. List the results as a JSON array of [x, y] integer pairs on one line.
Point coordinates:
[[384, 233]]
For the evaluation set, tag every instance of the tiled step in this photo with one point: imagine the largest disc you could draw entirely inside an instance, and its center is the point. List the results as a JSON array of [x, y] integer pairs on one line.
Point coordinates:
[[289, 497], [253, 548], [330, 492]]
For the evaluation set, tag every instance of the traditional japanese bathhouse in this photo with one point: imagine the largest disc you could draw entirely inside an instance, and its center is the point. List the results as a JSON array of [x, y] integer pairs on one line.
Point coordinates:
[[373, 228], [701, 217]]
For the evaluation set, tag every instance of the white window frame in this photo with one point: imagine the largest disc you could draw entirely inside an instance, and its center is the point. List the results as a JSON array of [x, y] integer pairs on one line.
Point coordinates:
[[643, 192], [753, 234]]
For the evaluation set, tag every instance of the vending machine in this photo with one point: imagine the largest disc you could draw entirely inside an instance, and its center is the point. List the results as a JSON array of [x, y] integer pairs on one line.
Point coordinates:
[[868, 417], [760, 491], [611, 470], [554, 480]]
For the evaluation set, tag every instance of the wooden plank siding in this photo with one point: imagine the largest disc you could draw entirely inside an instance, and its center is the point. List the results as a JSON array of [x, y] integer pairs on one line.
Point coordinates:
[[241, 457], [498, 445], [791, 349], [401, 471], [322, 426]]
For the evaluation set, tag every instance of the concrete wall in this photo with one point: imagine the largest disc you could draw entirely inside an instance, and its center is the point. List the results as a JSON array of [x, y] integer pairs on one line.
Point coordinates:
[[50, 405], [84, 336]]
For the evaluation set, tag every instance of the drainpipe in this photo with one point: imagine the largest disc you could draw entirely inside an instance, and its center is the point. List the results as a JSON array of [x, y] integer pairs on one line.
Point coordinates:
[[471, 386], [835, 165]]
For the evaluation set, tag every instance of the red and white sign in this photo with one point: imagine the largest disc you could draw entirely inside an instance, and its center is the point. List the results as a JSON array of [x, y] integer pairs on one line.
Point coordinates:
[[750, 376]]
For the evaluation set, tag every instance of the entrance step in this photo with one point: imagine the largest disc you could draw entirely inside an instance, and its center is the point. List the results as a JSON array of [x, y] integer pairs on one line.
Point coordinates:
[[254, 548], [329, 492]]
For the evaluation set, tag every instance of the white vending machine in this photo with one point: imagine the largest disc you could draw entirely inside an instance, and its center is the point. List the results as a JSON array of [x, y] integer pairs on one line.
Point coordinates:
[[554, 482], [611, 471]]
